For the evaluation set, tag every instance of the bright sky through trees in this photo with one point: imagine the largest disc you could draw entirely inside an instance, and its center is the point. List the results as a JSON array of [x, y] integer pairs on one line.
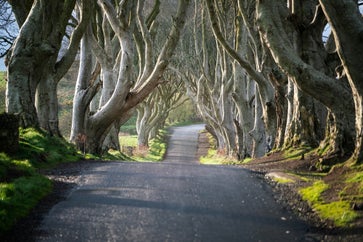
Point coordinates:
[[2, 65]]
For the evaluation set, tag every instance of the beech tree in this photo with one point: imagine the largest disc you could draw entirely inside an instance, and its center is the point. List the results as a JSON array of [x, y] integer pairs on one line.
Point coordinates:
[[275, 22], [34, 64], [258, 71], [279, 46], [234, 108], [128, 24], [210, 84], [253, 65], [154, 110], [346, 22]]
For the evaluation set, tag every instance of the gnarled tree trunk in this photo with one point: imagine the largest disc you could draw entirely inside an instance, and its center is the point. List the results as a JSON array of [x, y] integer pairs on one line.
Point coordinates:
[[274, 26], [34, 67], [347, 30], [129, 91]]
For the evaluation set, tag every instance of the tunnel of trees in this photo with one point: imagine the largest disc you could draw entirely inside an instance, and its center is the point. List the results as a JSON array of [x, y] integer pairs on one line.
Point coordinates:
[[263, 75]]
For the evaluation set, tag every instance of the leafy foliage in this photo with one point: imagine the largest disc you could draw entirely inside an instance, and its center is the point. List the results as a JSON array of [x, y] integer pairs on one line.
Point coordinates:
[[184, 114]]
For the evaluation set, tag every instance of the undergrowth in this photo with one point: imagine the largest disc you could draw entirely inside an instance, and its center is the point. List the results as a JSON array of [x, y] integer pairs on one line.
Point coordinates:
[[44, 151]]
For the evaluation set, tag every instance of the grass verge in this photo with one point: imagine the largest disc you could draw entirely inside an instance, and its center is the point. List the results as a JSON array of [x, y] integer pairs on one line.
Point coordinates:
[[155, 152], [21, 187], [214, 157], [19, 196]]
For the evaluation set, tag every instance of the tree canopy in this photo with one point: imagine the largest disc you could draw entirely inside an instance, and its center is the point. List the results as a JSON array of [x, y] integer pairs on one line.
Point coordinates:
[[264, 75]]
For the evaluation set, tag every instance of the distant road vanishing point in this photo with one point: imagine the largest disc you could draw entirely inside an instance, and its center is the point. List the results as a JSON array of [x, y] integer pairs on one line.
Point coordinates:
[[183, 143]]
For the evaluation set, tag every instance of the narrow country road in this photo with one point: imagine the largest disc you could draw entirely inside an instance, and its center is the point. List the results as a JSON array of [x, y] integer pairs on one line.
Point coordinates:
[[175, 200], [183, 144]]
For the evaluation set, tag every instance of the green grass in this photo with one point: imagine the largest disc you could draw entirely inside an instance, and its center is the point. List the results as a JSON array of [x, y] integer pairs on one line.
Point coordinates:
[[157, 147], [340, 212], [299, 176], [20, 189], [356, 177], [18, 197], [44, 151], [247, 160], [116, 155], [296, 153], [156, 151], [313, 193], [213, 158], [353, 189], [128, 140], [21, 186]]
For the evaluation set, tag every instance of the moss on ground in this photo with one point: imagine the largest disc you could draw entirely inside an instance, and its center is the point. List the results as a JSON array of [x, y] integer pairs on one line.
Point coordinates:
[[340, 212]]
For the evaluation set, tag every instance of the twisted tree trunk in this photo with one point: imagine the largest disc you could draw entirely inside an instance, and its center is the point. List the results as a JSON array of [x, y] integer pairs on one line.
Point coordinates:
[[274, 26], [348, 35]]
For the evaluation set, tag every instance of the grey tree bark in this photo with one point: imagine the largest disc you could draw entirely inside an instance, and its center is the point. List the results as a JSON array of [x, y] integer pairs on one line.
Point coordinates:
[[253, 68], [37, 47], [154, 110], [275, 23], [129, 91], [347, 28], [87, 86]]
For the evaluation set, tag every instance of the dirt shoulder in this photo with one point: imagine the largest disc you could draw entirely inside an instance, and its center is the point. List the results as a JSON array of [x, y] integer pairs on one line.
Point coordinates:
[[274, 167], [66, 176]]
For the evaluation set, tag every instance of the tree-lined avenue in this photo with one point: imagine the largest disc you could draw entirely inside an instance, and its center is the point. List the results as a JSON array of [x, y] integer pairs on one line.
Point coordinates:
[[170, 201]]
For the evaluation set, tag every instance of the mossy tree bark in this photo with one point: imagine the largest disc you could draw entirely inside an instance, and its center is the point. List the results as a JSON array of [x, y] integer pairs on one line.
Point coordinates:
[[34, 65], [347, 26], [276, 22]]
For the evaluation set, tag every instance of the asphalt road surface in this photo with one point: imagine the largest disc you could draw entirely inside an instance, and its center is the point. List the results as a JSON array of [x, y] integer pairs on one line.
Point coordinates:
[[170, 201], [183, 144]]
